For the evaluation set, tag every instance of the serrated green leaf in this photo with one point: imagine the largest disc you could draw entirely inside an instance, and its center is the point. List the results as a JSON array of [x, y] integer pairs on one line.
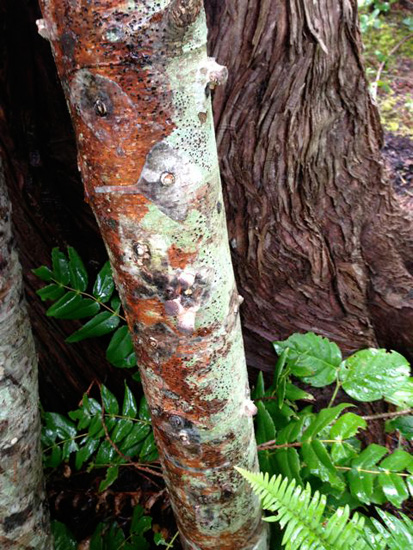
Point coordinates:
[[86, 451], [398, 461], [104, 284], [403, 397], [73, 306], [63, 537], [323, 419], [394, 488], [96, 426], [50, 292], [101, 324], [372, 374], [120, 351], [60, 265], [105, 454], [320, 464], [311, 357], [78, 273], [109, 401], [403, 424], [129, 407], [342, 453], [43, 273], [347, 426], [112, 474], [369, 457]]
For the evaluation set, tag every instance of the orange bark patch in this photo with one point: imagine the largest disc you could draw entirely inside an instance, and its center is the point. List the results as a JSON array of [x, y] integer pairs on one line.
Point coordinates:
[[178, 258], [149, 312]]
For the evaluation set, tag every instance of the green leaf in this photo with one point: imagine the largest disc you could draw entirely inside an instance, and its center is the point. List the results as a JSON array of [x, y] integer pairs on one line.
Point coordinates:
[[60, 425], [78, 273], [265, 429], [372, 374], [149, 451], [105, 454], [144, 412], [110, 402], [120, 351], [140, 523], [129, 407], [138, 433], [63, 537], [73, 306], [44, 273], [259, 390], [311, 357], [86, 451], [55, 458], [122, 428], [394, 488], [369, 457], [403, 424], [403, 397], [61, 272], [101, 324], [398, 461], [347, 426], [320, 464], [293, 393], [112, 474], [104, 285], [323, 419], [288, 463], [50, 292]]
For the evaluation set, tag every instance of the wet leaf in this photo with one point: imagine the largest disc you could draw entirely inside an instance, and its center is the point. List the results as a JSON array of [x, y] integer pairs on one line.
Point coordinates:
[[394, 488], [322, 420], [104, 284], [61, 272], [78, 273], [101, 324], [50, 292], [105, 454], [86, 451], [63, 537], [110, 402], [403, 424], [112, 474], [129, 407], [372, 374], [120, 351], [347, 426], [44, 273], [73, 306], [122, 428]]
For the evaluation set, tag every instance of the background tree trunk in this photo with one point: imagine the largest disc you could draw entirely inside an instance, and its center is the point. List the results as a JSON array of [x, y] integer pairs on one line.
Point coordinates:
[[319, 239], [330, 276], [24, 520], [137, 82]]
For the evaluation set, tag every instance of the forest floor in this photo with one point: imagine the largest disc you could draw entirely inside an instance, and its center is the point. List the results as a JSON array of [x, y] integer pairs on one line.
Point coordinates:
[[389, 62]]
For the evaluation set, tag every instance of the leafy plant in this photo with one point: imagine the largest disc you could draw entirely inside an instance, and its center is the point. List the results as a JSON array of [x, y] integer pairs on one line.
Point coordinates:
[[100, 435], [302, 515], [68, 289]]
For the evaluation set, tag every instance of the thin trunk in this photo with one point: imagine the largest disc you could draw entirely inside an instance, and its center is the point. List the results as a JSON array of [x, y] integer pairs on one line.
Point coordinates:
[[318, 237], [137, 80], [24, 521]]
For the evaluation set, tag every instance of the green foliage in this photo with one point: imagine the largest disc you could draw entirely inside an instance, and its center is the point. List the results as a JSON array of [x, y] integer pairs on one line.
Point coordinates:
[[397, 533], [371, 12], [302, 515], [68, 284], [98, 434], [110, 536]]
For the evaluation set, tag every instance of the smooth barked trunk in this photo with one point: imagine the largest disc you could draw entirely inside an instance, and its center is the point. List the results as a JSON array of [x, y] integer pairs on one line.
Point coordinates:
[[24, 521], [319, 239], [137, 80]]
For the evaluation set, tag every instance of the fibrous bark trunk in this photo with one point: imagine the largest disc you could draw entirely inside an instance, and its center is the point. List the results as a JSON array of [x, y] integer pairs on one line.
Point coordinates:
[[138, 81], [319, 239], [24, 522]]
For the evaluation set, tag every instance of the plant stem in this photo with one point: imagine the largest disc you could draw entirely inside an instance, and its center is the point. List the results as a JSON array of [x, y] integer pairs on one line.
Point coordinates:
[[394, 414], [376, 472], [171, 543], [333, 397]]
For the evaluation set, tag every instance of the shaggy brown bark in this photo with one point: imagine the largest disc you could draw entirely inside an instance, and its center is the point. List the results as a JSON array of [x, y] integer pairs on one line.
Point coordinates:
[[319, 239]]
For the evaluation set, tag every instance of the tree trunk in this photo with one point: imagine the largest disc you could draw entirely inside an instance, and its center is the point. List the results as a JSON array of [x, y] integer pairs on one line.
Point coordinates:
[[24, 521], [138, 81], [319, 239]]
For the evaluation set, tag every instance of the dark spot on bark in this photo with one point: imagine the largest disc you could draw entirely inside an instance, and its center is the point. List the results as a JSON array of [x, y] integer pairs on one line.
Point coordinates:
[[100, 108], [16, 520], [219, 207], [176, 421], [202, 117], [68, 42], [207, 91]]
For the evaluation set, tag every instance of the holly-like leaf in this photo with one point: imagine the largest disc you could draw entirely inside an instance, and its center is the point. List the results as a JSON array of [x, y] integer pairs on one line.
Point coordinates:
[[129, 407], [60, 425], [394, 488], [120, 351], [61, 272], [144, 412], [110, 402], [78, 273], [73, 306], [403, 397], [122, 428], [86, 451], [104, 285], [313, 358], [347, 426], [372, 374], [138, 433], [103, 323], [398, 461], [105, 454]]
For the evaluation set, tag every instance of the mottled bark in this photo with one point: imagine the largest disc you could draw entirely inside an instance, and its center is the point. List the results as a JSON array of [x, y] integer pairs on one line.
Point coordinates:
[[137, 80], [319, 240], [23, 515]]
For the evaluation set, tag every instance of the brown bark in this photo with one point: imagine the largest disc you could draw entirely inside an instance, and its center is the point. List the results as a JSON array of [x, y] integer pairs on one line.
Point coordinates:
[[318, 237]]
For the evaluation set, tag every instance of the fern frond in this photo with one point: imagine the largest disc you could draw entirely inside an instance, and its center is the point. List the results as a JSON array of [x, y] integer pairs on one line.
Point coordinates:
[[301, 515], [397, 532]]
